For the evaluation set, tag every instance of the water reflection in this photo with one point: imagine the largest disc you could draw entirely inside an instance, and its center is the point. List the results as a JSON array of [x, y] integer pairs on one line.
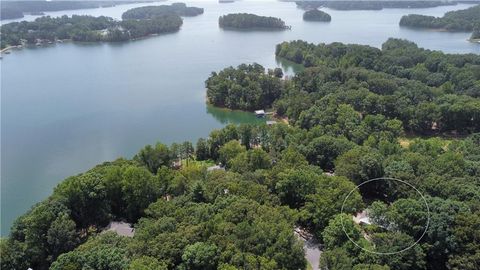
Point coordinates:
[[226, 116]]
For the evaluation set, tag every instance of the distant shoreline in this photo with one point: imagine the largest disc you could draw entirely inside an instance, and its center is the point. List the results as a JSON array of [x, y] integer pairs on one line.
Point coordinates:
[[41, 11]]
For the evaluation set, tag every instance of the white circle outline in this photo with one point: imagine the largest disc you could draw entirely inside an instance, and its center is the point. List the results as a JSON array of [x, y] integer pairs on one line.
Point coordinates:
[[386, 253]]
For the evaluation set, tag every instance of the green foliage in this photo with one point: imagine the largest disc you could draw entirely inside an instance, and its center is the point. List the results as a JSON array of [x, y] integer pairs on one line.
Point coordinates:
[[250, 161], [147, 263], [200, 256], [250, 21], [151, 12], [39, 236], [316, 16], [412, 258], [185, 233], [229, 151], [323, 151], [459, 20], [476, 33], [247, 87], [324, 204], [335, 235], [104, 252], [293, 186], [360, 164], [85, 29], [370, 267], [139, 188], [466, 233], [336, 259], [379, 83], [62, 235], [86, 196], [406, 215], [154, 157], [202, 151]]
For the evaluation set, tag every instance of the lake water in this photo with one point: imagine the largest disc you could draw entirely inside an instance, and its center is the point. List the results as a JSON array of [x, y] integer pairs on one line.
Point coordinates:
[[67, 107]]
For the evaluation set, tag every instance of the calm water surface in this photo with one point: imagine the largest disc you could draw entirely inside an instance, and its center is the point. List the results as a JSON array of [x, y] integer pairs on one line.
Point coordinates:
[[67, 107]]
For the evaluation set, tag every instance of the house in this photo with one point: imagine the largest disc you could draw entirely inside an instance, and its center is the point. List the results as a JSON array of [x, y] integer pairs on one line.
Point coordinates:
[[121, 228], [260, 113], [216, 167], [362, 218], [329, 173]]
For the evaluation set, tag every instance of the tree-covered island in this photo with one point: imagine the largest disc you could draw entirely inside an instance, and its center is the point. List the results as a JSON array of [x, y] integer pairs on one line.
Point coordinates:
[[349, 112], [250, 21], [149, 12], [137, 23], [458, 20], [316, 15]]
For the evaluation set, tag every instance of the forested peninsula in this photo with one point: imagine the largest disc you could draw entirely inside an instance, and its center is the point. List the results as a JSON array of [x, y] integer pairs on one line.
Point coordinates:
[[250, 21], [137, 23], [427, 91], [316, 15], [459, 20], [356, 112]]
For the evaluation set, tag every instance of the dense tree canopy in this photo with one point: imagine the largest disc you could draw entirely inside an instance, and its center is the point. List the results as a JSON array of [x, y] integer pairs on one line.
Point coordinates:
[[136, 23], [459, 20], [250, 21], [247, 87], [427, 91], [150, 12], [244, 216], [85, 28], [316, 16]]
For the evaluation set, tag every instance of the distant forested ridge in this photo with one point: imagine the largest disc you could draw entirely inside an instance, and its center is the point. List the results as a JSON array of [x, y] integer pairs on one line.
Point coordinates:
[[250, 21], [16, 9], [149, 12], [459, 20], [85, 29], [137, 23], [370, 5], [316, 15]]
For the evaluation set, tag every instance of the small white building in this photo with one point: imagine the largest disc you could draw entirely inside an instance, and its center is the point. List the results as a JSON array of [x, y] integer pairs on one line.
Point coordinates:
[[362, 218], [329, 173], [121, 228], [216, 167], [260, 113]]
